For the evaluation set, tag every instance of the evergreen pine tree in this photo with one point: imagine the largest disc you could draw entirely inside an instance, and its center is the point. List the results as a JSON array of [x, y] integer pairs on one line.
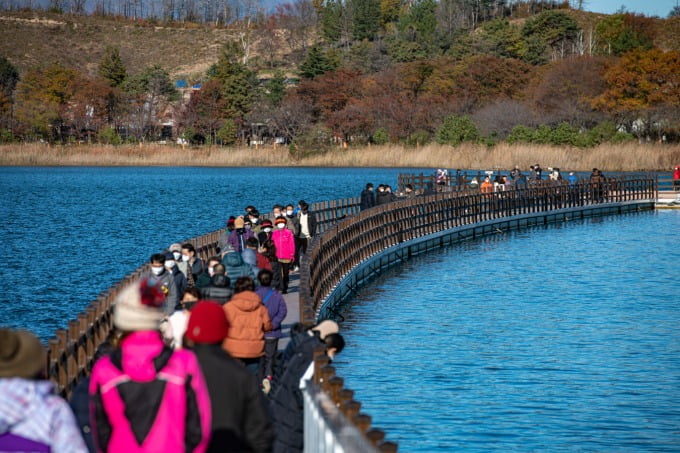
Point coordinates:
[[316, 63], [366, 19], [112, 68]]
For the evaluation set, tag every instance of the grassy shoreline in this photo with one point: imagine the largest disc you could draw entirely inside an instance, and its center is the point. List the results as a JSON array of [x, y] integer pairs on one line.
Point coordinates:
[[625, 157]]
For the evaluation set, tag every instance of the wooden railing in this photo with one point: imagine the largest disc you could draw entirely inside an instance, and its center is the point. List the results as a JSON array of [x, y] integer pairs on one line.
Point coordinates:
[[346, 238], [333, 255]]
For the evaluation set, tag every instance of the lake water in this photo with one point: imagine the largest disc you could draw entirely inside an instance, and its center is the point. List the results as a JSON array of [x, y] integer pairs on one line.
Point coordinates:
[[553, 338], [70, 233]]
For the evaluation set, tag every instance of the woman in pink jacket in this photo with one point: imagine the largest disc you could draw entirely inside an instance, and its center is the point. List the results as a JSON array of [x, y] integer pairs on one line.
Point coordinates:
[[145, 397], [285, 250]]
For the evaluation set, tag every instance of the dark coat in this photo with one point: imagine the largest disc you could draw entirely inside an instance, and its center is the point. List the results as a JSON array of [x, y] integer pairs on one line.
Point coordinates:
[[287, 402], [180, 280], [311, 224], [218, 290], [367, 199], [240, 421]]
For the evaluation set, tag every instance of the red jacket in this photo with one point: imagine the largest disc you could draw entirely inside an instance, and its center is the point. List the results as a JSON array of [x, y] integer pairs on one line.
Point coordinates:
[[285, 244]]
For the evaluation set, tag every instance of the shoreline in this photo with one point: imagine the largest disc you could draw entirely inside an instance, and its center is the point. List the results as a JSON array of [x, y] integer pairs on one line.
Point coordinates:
[[624, 157]]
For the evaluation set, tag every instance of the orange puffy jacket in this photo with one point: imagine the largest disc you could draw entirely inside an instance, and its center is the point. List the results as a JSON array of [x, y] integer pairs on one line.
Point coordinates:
[[248, 321]]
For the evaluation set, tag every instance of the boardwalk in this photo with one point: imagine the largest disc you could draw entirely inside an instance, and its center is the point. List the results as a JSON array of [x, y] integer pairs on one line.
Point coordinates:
[[293, 305]]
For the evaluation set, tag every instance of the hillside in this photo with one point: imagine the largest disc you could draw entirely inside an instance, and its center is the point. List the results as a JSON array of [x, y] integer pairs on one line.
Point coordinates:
[[29, 39]]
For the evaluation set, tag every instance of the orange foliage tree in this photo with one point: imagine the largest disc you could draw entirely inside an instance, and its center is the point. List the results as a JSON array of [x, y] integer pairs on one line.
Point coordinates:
[[643, 84]]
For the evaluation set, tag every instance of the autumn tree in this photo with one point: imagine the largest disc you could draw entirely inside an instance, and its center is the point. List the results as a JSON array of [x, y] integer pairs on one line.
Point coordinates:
[[203, 116], [562, 91], [643, 84], [9, 76], [87, 109], [149, 93], [42, 94]]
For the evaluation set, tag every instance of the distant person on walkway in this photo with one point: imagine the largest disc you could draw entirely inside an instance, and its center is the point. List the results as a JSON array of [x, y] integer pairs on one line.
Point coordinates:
[[254, 217], [176, 324], [236, 267], [367, 198], [306, 229], [676, 178], [240, 422], [145, 396], [487, 187], [539, 172], [203, 279], [32, 418], [277, 309], [266, 233], [248, 320], [223, 241], [171, 267], [249, 254], [167, 281], [573, 179], [219, 288], [269, 252], [285, 251], [291, 219], [287, 401], [191, 261], [238, 237], [408, 192]]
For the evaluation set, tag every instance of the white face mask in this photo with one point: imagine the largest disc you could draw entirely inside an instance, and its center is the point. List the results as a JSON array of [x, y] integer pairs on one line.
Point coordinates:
[[281, 226], [170, 264], [185, 258], [289, 213], [157, 270], [267, 230], [211, 271], [177, 255]]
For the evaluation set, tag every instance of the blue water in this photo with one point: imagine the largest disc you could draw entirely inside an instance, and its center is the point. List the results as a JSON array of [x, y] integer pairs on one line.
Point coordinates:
[[68, 234], [564, 337]]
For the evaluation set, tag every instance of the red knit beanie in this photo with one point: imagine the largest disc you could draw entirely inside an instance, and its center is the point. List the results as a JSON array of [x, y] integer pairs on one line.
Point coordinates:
[[207, 323]]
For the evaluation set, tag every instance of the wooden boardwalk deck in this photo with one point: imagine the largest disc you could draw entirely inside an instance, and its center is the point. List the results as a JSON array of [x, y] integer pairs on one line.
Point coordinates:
[[293, 305]]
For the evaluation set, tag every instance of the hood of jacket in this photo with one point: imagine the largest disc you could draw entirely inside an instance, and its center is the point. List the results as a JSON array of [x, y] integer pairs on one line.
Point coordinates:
[[139, 349], [19, 399], [233, 259], [246, 301]]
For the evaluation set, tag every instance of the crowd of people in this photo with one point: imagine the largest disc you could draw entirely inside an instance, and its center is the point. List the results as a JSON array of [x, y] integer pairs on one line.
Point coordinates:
[[193, 362]]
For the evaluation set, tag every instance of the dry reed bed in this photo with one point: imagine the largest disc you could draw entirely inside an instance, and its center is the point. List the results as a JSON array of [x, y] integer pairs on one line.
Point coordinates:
[[626, 157]]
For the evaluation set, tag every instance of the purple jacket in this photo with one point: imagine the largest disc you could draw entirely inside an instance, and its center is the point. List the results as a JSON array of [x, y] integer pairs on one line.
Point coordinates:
[[146, 397], [238, 241], [276, 307]]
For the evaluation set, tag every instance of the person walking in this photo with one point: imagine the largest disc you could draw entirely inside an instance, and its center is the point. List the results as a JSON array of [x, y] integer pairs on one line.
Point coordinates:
[[249, 320], [277, 309], [145, 397], [240, 421], [285, 251], [367, 197], [32, 418]]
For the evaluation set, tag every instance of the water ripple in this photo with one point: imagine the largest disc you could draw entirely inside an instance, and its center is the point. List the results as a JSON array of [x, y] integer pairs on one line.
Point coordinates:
[[554, 338]]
